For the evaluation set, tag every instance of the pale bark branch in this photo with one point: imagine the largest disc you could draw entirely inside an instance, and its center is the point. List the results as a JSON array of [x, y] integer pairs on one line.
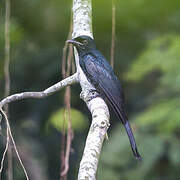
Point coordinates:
[[95, 138], [51, 90], [82, 25]]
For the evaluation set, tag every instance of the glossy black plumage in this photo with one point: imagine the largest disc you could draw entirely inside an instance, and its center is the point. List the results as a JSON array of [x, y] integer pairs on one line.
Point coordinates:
[[101, 75]]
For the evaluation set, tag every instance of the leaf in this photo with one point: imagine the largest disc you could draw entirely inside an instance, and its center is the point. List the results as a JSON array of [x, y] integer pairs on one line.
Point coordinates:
[[78, 120]]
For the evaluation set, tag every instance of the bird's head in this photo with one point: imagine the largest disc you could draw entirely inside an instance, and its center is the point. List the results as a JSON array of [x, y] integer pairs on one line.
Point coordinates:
[[83, 43]]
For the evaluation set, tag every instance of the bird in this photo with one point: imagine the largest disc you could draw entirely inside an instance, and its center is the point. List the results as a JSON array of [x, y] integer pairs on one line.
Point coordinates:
[[101, 75]]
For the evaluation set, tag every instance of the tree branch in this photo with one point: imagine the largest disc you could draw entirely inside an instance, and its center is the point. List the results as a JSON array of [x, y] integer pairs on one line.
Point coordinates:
[[82, 25], [95, 138], [51, 90]]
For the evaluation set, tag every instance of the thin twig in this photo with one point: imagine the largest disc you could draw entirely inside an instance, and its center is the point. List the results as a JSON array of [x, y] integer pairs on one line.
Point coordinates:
[[63, 137], [14, 144], [7, 79], [113, 32], [73, 67], [67, 101], [68, 107], [51, 90], [62, 157], [5, 151], [68, 142], [7, 50], [63, 69]]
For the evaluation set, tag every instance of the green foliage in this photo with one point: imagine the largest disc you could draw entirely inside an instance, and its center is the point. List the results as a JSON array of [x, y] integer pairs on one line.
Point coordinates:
[[160, 54], [140, 15], [174, 154], [16, 36], [157, 124], [78, 120], [16, 33], [163, 116], [117, 160]]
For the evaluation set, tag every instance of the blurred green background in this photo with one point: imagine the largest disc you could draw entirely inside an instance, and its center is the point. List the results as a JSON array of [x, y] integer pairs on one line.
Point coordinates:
[[147, 61]]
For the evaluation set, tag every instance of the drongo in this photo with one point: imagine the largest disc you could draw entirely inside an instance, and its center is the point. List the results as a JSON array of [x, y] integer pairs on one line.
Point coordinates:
[[100, 74]]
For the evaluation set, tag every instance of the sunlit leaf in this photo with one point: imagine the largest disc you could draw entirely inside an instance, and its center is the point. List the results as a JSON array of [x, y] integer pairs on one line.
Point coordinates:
[[78, 120]]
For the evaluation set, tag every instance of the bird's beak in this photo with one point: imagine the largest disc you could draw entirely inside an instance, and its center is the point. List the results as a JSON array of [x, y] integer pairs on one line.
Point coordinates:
[[74, 42]]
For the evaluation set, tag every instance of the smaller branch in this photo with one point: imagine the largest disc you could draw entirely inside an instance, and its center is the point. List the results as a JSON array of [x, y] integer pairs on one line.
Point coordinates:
[[9, 134], [67, 101], [69, 133], [7, 81], [51, 90], [113, 32], [7, 49], [63, 138], [6, 148]]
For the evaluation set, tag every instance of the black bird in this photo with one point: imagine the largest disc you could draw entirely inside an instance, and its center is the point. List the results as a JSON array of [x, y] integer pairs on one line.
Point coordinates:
[[101, 75]]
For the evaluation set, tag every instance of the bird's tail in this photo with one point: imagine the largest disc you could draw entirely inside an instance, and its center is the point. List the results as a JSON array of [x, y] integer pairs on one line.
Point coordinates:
[[132, 141]]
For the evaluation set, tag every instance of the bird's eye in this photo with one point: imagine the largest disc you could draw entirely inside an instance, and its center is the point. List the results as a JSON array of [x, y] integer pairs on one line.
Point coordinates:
[[84, 42]]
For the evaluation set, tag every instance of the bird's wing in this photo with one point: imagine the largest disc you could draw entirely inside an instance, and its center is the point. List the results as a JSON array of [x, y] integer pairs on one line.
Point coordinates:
[[103, 78]]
